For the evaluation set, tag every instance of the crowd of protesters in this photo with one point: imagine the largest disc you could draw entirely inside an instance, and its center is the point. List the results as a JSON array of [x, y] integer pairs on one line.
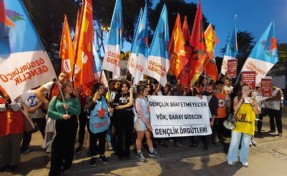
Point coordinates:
[[117, 116]]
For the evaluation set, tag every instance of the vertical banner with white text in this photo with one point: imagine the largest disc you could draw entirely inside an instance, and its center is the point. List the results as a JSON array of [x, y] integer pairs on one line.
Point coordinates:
[[266, 87], [232, 68], [248, 77]]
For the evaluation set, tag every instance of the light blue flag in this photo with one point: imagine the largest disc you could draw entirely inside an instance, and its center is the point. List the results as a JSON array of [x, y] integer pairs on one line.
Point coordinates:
[[23, 60], [97, 57], [132, 57], [142, 34], [116, 28], [136, 27], [111, 60], [158, 60], [230, 51], [263, 55], [139, 51]]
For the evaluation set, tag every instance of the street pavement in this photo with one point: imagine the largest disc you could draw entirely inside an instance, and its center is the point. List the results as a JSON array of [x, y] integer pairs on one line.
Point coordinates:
[[269, 157]]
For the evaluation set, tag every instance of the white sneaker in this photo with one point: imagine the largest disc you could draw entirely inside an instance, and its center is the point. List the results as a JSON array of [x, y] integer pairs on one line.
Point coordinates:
[[231, 163], [110, 147], [245, 164]]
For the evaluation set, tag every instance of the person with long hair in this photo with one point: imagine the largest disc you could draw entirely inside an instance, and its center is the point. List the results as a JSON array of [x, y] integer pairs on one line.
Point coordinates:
[[64, 108], [45, 93], [123, 104], [98, 124], [50, 89], [245, 109], [142, 124]]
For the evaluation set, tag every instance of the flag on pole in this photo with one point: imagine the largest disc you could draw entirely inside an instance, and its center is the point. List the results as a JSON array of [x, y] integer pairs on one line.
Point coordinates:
[[176, 49], [140, 48], [77, 28], [264, 54], [132, 57], [23, 61], [136, 26], [97, 58], [230, 51], [3, 17], [104, 79], [197, 43], [111, 60], [183, 76], [66, 49], [158, 59], [185, 30], [83, 74], [211, 40]]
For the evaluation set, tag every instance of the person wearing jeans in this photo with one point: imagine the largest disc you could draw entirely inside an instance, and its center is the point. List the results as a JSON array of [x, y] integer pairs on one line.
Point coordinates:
[[245, 109]]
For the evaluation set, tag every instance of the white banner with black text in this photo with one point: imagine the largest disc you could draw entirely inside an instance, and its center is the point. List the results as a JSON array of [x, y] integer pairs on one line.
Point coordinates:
[[176, 116]]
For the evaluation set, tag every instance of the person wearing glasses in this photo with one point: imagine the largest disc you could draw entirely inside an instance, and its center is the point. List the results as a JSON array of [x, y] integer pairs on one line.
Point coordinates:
[[245, 108]]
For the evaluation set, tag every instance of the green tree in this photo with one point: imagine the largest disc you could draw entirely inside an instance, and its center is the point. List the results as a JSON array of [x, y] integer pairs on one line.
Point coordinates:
[[48, 17], [282, 52], [103, 11], [174, 7], [245, 43]]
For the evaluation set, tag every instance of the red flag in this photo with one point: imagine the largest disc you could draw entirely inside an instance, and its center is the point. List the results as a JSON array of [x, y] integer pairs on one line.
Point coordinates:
[[211, 40], [3, 92], [198, 47], [185, 30], [183, 76], [176, 49], [77, 28], [84, 54], [3, 17], [66, 50]]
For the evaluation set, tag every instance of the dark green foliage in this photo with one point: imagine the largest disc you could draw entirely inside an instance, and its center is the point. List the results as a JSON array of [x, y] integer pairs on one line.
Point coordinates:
[[174, 7]]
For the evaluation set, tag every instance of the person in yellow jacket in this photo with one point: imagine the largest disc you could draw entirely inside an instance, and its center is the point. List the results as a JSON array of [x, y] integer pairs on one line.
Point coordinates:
[[245, 109]]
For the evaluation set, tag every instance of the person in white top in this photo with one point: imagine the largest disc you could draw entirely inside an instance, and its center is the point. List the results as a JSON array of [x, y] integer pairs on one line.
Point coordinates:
[[142, 123], [33, 107], [274, 105]]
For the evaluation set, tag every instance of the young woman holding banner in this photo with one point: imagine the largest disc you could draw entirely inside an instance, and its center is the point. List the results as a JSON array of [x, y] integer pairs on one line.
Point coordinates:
[[142, 124]]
